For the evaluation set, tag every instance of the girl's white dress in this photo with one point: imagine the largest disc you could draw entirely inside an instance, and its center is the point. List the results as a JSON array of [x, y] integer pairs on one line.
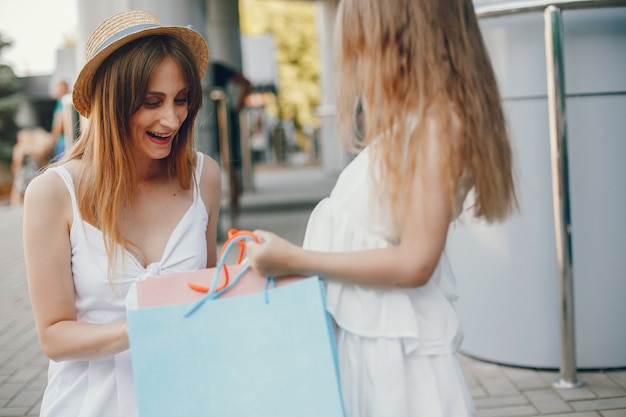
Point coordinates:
[[104, 387], [397, 347]]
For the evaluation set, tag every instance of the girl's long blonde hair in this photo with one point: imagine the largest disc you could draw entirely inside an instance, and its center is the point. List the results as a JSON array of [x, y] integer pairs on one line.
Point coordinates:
[[107, 181], [406, 67]]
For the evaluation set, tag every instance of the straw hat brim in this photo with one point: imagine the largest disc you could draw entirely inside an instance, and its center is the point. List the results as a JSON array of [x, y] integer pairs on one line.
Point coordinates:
[[81, 94]]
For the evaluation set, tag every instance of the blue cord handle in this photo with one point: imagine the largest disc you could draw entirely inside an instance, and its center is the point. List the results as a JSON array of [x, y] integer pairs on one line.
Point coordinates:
[[212, 294]]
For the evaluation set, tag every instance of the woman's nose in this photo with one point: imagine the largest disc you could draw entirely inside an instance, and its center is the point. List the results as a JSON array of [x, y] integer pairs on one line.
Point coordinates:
[[169, 117]]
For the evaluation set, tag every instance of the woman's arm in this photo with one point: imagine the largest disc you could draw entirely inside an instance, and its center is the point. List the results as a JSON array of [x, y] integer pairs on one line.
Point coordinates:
[[47, 252], [409, 264], [211, 190]]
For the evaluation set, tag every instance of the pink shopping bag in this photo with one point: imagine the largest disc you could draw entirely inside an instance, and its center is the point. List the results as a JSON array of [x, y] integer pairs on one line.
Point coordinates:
[[190, 287]]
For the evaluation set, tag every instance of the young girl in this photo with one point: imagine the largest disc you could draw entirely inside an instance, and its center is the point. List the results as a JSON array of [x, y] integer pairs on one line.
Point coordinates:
[[131, 198], [417, 74]]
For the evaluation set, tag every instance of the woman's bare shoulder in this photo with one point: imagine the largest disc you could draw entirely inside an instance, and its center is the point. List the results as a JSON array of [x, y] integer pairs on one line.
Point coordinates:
[[210, 183], [48, 190], [210, 172]]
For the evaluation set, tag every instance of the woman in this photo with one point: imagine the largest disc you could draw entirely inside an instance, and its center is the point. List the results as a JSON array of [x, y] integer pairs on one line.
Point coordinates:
[[131, 198]]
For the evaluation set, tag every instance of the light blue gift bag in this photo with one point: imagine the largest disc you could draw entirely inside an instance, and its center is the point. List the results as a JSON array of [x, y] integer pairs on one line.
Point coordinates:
[[267, 354]]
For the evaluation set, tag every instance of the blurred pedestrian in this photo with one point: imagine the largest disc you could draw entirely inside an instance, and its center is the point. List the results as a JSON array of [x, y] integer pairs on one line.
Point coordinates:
[[131, 198], [57, 130], [30, 153], [35, 147], [433, 129]]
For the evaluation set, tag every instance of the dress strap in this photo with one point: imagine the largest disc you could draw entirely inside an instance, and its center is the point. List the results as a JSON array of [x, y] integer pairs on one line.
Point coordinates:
[[69, 183], [199, 164]]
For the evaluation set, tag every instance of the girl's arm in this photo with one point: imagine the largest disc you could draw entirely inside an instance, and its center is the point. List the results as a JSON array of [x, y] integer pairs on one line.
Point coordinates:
[[409, 264], [211, 195], [47, 252]]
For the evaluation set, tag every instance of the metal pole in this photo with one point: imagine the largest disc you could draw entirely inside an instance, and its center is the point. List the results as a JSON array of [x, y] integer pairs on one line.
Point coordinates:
[[219, 97], [560, 180], [246, 152]]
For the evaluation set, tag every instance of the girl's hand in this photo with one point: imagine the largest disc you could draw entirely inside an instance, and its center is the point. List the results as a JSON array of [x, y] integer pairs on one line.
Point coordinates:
[[273, 256]]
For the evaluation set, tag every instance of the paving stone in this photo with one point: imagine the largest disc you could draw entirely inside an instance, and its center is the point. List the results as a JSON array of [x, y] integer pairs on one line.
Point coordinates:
[[574, 394], [478, 392], [26, 398], [39, 382], [525, 379], [13, 411], [601, 404], [472, 381], [520, 411], [499, 386], [603, 386], [25, 374], [613, 413], [619, 377], [499, 402], [10, 390], [547, 401], [549, 376], [12, 332], [24, 357]]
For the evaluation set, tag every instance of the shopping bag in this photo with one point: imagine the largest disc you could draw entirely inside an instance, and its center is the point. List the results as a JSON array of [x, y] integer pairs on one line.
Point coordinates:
[[269, 353], [187, 287]]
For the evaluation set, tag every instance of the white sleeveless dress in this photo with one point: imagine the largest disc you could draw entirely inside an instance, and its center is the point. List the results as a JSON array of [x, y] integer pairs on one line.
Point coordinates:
[[397, 347], [104, 387]]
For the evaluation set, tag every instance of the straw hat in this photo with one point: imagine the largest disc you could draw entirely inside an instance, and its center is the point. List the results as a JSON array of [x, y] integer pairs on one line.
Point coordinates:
[[117, 31]]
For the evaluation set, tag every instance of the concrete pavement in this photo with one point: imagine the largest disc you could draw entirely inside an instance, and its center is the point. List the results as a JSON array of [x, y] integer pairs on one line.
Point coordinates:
[[281, 202]]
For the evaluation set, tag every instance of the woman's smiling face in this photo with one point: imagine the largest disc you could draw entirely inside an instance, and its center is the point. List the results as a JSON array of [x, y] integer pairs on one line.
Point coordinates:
[[164, 109]]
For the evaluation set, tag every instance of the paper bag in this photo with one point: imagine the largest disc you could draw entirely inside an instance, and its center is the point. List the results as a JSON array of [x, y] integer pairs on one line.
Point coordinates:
[[267, 353]]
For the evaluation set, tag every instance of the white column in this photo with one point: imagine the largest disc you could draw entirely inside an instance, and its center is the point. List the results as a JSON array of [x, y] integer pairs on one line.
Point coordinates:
[[334, 156], [90, 15], [223, 31]]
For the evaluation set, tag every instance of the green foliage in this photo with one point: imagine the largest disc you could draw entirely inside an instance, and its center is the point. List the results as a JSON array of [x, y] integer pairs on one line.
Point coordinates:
[[293, 26], [10, 99]]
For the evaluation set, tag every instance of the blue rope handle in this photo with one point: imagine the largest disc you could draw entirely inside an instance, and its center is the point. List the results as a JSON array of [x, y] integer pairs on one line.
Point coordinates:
[[212, 294]]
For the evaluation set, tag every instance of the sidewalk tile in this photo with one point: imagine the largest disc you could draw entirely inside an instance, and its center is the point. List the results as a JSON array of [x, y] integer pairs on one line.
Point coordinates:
[[602, 385], [602, 404], [547, 401], [499, 386], [499, 402], [520, 411], [613, 413]]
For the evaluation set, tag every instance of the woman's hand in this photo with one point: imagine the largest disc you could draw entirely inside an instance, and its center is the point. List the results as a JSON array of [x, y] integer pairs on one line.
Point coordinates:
[[273, 256]]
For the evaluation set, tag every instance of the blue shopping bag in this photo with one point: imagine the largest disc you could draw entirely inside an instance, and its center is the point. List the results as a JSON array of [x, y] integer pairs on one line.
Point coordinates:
[[266, 354]]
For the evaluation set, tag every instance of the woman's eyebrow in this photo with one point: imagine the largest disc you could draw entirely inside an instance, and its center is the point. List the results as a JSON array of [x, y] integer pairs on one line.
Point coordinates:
[[160, 93]]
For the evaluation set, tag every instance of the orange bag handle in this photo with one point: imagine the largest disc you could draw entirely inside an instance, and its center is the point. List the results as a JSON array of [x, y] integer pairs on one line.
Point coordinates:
[[232, 233]]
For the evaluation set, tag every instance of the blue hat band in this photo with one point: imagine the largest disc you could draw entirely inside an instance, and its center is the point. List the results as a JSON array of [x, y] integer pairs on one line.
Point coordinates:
[[125, 32]]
